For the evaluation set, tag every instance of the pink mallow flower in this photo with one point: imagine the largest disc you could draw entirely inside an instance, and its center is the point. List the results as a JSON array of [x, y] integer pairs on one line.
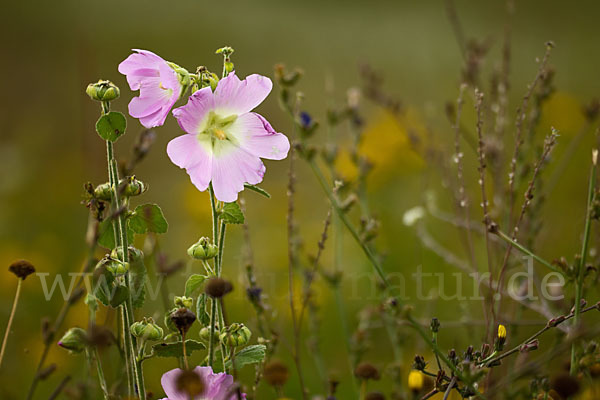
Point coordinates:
[[158, 82], [225, 141], [216, 386]]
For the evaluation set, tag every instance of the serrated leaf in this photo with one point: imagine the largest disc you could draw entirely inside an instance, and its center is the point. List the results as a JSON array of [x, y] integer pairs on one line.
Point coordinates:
[[193, 283], [176, 349], [112, 125], [232, 214], [148, 218], [257, 189], [201, 313], [248, 355]]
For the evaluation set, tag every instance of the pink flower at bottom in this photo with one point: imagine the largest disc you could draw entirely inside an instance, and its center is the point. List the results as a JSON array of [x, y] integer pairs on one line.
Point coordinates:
[[225, 141], [216, 386]]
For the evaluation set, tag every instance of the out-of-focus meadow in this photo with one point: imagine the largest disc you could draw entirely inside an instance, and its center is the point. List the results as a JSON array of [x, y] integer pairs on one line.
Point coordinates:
[[48, 147]]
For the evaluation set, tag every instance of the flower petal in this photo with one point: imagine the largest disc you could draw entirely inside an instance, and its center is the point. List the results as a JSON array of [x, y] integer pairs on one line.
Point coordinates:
[[233, 96], [255, 135], [191, 116], [188, 152], [138, 65], [169, 385], [232, 166]]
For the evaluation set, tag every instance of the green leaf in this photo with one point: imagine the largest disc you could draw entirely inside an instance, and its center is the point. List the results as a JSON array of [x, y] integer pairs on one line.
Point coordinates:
[[257, 189], [232, 214], [193, 283], [176, 349], [148, 218], [106, 235], [201, 313], [248, 355], [137, 278], [120, 295], [112, 125]]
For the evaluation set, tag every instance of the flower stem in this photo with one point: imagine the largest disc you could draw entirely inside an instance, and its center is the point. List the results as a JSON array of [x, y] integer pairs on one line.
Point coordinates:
[[347, 223], [101, 378], [120, 227], [10, 319], [523, 249], [581, 263]]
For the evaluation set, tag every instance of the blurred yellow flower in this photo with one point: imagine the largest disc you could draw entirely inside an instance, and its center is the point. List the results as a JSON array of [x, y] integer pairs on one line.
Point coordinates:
[[389, 143], [563, 112], [501, 332], [415, 380]]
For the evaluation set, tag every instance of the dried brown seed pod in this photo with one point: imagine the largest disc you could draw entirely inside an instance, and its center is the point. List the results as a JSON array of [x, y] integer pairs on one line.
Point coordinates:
[[276, 373], [22, 268], [217, 287], [366, 371]]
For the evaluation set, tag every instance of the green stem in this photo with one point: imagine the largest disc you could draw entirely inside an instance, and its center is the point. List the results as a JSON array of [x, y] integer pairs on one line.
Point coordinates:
[[524, 250], [581, 264], [101, 378], [121, 223], [10, 319], [211, 338], [347, 223]]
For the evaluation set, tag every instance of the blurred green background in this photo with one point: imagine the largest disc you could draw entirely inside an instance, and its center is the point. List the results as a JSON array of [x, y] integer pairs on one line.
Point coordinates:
[[48, 147]]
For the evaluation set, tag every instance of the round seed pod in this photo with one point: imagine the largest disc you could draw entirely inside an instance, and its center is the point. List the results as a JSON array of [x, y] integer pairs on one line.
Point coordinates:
[[22, 269], [367, 371], [276, 373], [217, 287]]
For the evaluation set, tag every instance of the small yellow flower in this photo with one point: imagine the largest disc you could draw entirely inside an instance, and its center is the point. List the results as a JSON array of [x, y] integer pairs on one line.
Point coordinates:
[[415, 380], [501, 332]]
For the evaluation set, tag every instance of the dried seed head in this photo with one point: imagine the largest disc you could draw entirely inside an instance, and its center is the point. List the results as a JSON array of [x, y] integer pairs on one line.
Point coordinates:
[[565, 385], [375, 396], [22, 268], [183, 319], [276, 373], [189, 383], [218, 287], [100, 336], [366, 371]]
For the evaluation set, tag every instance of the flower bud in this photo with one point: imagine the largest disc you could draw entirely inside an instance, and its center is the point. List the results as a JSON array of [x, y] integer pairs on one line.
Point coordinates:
[[135, 255], [22, 269], [113, 265], [103, 192], [501, 339], [203, 249], [205, 334], [217, 287], [276, 373], [235, 335], [183, 319], [74, 340], [133, 186], [182, 301], [366, 371], [435, 325], [102, 91], [415, 381], [146, 329]]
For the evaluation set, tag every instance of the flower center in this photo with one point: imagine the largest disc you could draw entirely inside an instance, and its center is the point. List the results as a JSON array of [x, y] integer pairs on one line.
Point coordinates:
[[216, 127]]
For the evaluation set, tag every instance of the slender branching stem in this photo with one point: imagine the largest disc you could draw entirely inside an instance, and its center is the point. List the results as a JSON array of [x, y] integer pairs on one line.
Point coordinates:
[[10, 318], [582, 258], [524, 250]]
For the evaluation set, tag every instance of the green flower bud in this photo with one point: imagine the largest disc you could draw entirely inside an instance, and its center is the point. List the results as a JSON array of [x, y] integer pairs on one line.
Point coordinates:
[[235, 335], [103, 192], [134, 187], [182, 301], [135, 255], [102, 91], [147, 330], [203, 249], [226, 51], [112, 265], [205, 334], [74, 340]]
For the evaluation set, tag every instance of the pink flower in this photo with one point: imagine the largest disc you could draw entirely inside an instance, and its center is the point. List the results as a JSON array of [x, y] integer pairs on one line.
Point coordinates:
[[158, 83], [216, 386], [225, 141]]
